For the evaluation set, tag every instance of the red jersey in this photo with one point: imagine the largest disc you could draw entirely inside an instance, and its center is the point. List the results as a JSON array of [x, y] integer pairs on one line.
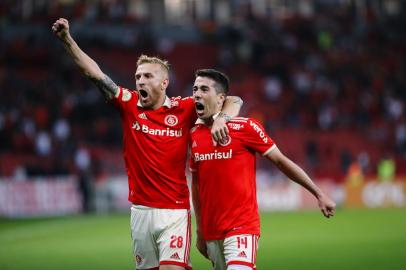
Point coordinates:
[[226, 177], [155, 146]]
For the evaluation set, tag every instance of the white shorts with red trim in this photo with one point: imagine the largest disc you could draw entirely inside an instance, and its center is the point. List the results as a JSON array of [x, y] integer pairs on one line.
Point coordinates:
[[160, 237], [234, 250]]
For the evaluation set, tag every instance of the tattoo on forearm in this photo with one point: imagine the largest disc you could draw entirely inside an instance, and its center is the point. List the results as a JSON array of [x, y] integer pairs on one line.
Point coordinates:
[[106, 86], [225, 116]]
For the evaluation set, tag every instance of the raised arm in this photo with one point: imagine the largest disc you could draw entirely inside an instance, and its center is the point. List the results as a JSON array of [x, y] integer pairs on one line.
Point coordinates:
[[231, 108], [295, 173], [86, 64]]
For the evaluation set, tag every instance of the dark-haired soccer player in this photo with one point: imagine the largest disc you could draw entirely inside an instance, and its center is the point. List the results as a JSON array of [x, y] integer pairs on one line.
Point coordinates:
[[224, 186], [155, 130]]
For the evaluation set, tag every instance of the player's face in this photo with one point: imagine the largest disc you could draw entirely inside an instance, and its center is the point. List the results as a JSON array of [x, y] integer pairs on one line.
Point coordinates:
[[151, 81], [207, 101]]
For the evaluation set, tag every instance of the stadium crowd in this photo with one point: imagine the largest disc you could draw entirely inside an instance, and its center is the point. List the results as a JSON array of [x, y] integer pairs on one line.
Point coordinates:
[[328, 86]]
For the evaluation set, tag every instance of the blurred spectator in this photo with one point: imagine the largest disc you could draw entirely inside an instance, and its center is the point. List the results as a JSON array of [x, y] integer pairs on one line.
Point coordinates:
[[273, 88], [363, 160], [345, 160], [43, 144], [401, 138], [83, 164], [355, 176], [334, 69], [386, 169], [312, 154]]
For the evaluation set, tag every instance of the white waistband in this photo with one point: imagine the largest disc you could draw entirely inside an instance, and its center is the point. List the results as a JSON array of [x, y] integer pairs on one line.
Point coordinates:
[[137, 206]]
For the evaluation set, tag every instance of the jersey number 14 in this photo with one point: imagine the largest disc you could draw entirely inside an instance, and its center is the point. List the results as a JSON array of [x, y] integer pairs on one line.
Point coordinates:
[[242, 241]]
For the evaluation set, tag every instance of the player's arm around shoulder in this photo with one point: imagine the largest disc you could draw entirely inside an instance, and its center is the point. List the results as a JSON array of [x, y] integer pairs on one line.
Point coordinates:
[[87, 65], [298, 175], [231, 108]]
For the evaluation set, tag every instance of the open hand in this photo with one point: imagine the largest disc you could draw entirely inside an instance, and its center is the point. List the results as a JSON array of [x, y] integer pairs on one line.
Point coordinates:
[[219, 130], [327, 206]]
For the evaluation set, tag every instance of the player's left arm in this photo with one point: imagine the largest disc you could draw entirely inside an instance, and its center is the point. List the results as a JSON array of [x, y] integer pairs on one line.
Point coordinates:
[[297, 174], [231, 108]]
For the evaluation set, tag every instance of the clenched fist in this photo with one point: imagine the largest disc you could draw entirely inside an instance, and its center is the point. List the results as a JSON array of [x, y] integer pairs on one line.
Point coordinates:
[[61, 28]]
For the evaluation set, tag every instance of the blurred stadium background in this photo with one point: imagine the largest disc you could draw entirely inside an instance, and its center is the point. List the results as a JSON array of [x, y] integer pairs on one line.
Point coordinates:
[[326, 78]]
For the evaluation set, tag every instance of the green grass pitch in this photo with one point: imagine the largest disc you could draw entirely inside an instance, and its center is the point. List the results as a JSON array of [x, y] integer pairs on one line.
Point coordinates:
[[353, 239]]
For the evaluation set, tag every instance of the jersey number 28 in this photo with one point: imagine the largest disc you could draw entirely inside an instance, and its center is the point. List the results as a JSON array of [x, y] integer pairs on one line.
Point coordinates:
[[176, 241]]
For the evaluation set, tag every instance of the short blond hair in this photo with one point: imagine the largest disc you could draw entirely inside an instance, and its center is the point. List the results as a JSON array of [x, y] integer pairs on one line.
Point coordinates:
[[145, 59]]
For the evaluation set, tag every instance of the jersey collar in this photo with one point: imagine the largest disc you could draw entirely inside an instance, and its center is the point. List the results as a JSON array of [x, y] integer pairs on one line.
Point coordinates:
[[200, 121], [167, 103]]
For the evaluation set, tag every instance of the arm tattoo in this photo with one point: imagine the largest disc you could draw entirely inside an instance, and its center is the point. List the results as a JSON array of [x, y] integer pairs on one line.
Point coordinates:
[[225, 116], [106, 86]]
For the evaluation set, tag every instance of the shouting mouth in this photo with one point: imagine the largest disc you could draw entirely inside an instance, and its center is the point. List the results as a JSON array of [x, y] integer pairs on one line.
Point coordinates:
[[199, 108], [144, 96], [143, 93]]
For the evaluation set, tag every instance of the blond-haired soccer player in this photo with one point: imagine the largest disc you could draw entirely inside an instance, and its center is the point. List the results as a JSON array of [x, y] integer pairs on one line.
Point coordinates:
[[155, 131], [223, 184]]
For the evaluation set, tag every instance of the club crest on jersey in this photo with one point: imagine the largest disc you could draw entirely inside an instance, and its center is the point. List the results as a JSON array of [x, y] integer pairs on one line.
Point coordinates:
[[126, 95], [171, 120], [226, 141]]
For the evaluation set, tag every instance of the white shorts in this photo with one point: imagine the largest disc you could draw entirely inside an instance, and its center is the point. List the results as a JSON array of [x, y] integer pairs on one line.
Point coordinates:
[[160, 237], [237, 249]]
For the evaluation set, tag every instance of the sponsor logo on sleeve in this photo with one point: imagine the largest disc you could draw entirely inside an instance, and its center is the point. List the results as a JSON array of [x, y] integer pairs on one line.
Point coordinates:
[[126, 95], [259, 130], [235, 126]]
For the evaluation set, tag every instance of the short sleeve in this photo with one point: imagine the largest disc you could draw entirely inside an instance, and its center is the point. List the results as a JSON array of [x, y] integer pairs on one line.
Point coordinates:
[[257, 139]]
